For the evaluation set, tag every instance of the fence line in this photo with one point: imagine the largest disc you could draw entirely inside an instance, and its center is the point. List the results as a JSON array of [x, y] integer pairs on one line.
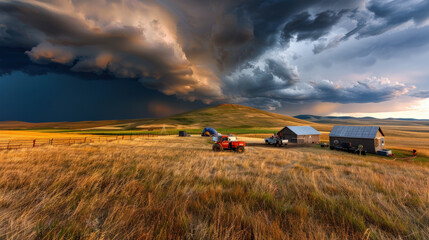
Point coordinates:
[[37, 142]]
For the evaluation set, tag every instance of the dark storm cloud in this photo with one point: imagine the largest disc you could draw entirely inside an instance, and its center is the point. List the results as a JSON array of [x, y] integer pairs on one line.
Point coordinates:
[[121, 51], [395, 45], [307, 27], [215, 51], [14, 59], [16, 34], [368, 91], [241, 30], [262, 79], [379, 17], [232, 31], [361, 92], [272, 81], [390, 14]]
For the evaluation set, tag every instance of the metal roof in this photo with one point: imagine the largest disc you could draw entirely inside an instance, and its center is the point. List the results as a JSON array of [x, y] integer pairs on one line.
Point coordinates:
[[355, 131], [303, 130]]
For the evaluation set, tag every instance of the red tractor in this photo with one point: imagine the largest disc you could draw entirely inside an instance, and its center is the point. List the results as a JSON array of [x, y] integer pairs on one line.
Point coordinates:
[[228, 143]]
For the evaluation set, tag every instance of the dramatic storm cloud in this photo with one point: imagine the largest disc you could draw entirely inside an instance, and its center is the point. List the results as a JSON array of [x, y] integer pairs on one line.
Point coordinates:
[[306, 27], [247, 51]]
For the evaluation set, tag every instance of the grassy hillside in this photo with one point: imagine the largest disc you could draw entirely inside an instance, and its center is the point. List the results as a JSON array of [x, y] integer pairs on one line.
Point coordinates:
[[228, 116]]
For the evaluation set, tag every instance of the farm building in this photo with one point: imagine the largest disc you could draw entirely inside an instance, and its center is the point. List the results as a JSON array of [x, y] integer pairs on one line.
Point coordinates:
[[299, 134], [370, 137]]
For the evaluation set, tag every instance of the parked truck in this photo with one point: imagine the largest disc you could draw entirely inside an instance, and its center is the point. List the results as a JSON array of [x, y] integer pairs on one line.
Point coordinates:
[[276, 141]]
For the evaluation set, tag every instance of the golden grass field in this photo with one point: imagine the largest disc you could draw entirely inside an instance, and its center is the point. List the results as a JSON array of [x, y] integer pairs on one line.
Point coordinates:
[[177, 188], [18, 135]]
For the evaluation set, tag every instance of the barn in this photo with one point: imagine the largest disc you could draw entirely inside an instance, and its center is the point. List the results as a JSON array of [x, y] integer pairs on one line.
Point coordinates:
[[299, 134], [370, 137]]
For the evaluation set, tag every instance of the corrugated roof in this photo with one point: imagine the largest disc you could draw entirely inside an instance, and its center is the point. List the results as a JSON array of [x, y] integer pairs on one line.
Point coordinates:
[[355, 131], [303, 130]]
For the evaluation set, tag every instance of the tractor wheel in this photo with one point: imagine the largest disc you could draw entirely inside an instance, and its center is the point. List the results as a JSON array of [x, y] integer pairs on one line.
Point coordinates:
[[277, 144], [240, 149], [217, 147]]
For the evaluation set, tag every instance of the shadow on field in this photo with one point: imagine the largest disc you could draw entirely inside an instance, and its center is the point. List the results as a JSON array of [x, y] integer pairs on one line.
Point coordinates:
[[290, 145]]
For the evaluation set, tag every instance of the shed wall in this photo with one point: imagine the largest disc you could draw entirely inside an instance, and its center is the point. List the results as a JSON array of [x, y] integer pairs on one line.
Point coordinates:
[[286, 133], [303, 139], [368, 144], [379, 141]]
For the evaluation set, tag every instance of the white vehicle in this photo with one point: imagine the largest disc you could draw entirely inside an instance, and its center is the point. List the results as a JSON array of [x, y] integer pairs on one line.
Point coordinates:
[[276, 141], [215, 137], [219, 135]]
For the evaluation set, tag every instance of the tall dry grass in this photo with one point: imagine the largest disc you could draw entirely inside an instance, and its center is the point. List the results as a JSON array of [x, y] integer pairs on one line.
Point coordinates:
[[177, 188], [20, 135]]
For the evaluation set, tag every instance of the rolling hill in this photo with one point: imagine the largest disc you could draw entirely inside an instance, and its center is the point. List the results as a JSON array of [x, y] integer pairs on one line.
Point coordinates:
[[221, 116], [347, 120], [226, 116]]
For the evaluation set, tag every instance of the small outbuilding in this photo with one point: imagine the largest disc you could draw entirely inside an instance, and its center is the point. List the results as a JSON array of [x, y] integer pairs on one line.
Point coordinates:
[[299, 134], [370, 137]]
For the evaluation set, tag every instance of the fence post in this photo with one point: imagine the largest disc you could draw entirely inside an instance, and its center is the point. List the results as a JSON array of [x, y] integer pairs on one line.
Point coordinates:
[[8, 143], [84, 140], [52, 141], [69, 141], [34, 142]]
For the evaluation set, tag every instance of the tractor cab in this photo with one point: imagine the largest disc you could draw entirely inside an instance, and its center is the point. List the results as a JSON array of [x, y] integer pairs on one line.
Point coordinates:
[[224, 141]]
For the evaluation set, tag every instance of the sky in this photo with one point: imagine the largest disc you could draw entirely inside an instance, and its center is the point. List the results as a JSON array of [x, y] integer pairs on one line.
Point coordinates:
[[72, 60]]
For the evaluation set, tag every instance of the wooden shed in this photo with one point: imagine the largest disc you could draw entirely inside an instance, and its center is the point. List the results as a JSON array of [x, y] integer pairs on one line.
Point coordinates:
[[370, 137], [299, 134]]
